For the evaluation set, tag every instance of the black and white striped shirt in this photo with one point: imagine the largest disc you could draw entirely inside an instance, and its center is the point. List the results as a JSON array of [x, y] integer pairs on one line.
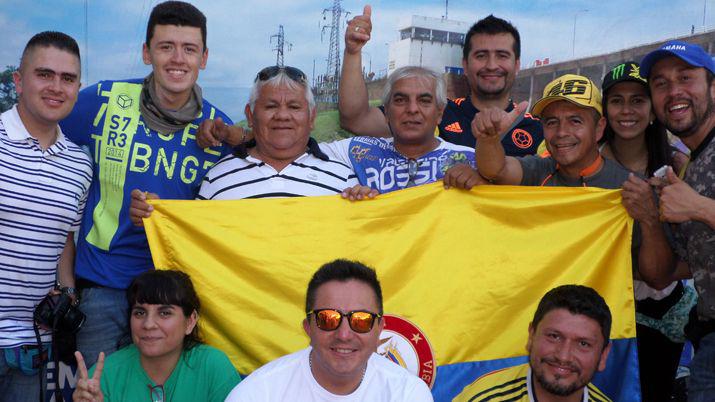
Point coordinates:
[[42, 197], [316, 172]]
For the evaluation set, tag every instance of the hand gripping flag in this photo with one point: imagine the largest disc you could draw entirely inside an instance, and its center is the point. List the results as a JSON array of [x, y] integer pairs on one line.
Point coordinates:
[[461, 271]]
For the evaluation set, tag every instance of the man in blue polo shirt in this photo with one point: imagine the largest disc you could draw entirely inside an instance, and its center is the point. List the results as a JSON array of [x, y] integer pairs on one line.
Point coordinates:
[[141, 134], [491, 53]]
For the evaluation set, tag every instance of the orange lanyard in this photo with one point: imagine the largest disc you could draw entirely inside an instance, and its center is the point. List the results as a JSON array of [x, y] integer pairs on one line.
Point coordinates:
[[588, 171]]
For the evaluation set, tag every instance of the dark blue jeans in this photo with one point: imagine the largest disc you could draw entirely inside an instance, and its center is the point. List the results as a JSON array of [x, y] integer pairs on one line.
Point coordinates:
[[107, 322], [16, 386], [701, 384]]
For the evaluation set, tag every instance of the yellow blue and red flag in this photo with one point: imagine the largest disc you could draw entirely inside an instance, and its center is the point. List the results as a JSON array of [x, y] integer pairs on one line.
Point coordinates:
[[461, 271]]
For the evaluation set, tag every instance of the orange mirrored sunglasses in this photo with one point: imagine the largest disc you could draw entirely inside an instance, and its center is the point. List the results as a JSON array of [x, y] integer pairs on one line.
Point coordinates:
[[329, 319]]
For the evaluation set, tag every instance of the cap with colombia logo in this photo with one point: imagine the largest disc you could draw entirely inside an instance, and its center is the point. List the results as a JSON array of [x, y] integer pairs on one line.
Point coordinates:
[[573, 88], [688, 52], [628, 71]]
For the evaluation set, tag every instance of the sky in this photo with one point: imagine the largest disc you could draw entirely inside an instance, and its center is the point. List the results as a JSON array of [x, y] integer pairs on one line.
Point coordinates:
[[110, 33]]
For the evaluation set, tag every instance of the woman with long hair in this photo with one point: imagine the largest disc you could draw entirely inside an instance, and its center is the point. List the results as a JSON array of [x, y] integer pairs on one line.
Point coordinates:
[[167, 361], [634, 138]]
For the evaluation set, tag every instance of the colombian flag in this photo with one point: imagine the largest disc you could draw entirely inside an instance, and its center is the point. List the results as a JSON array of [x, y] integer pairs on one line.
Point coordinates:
[[462, 271]]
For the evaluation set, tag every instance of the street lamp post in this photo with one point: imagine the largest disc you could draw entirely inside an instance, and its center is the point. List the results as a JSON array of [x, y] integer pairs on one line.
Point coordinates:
[[369, 70], [573, 42]]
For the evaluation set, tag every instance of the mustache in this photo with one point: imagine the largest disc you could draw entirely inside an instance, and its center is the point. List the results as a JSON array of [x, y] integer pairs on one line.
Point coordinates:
[[558, 362]]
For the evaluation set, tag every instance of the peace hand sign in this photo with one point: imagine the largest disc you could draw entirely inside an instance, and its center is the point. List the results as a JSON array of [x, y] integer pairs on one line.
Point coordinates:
[[88, 389]]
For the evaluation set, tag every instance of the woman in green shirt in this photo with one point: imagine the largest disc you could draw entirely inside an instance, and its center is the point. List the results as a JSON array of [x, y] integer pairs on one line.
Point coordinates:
[[167, 361]]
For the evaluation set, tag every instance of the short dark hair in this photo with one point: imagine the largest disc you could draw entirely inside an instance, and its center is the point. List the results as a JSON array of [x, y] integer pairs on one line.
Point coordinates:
[[177, 13], [55, 39], [342, 270], [577, 299], [171, 288], [492, 25]]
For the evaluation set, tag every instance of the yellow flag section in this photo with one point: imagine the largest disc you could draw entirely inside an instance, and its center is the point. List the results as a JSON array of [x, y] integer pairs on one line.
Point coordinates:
[[465, 267]]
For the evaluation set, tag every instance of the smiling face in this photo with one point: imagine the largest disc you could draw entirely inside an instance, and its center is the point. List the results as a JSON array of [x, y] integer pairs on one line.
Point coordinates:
[[491, 65], [47, 84], [176, 54], [628, 109], [565, 351], [339, 357], [158, 330], [412, 110], [281, 121], [571, 135], [682, 98]]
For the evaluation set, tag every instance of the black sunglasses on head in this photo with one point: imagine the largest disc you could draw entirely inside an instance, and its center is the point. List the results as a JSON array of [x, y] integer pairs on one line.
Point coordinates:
[[292, 73]]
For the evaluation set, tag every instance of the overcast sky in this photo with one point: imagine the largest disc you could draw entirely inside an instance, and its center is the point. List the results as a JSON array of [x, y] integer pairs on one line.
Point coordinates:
[[239, 31]]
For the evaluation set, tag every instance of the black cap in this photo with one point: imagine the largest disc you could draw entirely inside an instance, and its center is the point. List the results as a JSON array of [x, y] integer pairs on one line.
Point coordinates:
[[628, 71]]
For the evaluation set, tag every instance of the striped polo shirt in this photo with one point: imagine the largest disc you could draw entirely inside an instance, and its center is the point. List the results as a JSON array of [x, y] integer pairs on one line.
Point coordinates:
[[42, 196], [238, 176]]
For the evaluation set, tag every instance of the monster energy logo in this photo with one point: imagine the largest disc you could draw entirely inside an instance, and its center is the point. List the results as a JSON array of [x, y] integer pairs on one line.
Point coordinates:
[[618, 71]]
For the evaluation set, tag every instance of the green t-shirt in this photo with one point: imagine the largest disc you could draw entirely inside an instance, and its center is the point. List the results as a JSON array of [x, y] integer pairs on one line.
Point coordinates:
[[203, 373]]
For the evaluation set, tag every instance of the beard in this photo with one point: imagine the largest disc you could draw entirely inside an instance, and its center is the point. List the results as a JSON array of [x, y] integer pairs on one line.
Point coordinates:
[[494, 92], [698, 120], [556, 388]]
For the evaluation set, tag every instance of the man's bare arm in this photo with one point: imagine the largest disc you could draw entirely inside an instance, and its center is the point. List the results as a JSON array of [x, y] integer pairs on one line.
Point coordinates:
[[356, 114], [65, 266], [492, 162]]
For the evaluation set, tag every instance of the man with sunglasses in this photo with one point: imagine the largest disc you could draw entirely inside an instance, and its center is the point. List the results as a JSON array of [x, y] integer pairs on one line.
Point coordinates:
[[343, 309], [140, 134], [568, 343]]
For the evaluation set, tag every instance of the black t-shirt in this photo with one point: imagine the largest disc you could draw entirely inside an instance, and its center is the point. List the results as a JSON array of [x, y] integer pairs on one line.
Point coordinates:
[[456, 127]]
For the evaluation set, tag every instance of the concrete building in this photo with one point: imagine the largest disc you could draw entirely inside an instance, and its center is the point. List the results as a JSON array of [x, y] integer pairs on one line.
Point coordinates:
[[433, 43], [530, 82]]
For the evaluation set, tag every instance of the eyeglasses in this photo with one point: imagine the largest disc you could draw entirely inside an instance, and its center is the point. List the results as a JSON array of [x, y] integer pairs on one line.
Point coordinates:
[[292, 73], [156, 393], [412, 168], [329, 319]]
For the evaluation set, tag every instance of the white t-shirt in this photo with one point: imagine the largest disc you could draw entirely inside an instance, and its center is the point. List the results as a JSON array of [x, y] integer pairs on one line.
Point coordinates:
[[289, 379]]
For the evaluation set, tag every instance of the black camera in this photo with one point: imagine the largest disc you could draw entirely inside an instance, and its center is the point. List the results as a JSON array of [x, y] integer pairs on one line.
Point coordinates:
[[56, 312]]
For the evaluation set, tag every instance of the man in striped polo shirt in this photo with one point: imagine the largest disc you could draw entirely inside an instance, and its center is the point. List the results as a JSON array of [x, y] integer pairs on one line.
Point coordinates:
[[44, 179], [414, 101], [281, 160], [568, 343]]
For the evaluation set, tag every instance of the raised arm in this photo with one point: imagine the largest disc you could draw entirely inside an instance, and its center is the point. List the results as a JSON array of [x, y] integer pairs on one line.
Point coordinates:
[[212, 133], [492, 163], [356, 114]]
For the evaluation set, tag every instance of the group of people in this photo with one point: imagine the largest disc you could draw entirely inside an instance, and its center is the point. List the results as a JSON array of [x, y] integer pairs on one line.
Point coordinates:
[[88, 161]]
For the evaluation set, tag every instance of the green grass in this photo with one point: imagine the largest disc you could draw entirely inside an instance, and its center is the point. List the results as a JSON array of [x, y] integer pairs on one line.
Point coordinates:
[[327, 127]]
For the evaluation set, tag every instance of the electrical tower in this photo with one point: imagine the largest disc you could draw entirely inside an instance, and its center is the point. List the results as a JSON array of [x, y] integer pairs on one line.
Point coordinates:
[[327, 87], [280, 45]]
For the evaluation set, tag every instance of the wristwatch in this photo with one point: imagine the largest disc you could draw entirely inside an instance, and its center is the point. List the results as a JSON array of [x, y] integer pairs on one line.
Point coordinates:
[[70, 291]]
